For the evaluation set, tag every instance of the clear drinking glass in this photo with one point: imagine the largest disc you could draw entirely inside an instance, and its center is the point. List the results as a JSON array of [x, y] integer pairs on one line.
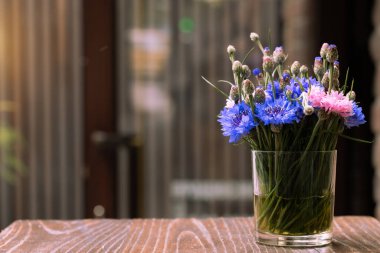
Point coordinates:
[[294, 197]]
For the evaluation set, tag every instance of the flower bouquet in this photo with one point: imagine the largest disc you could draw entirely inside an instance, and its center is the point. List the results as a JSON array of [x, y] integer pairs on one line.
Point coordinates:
[[291, 121]]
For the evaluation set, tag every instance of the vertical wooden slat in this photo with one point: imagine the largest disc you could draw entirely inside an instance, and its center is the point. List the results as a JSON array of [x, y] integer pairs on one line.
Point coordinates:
[[244, 37], [167, 136], [47, 127], [16, 77], [227, 71], [151, 137], [181, 97], [77, 68], [31, 87], [3, 185], [197, 98], [28, 77], [62, 120], [123, 168], [211, 100]]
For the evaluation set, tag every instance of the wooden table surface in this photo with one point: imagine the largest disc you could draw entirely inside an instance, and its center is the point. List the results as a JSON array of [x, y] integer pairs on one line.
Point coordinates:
[[351, 234]]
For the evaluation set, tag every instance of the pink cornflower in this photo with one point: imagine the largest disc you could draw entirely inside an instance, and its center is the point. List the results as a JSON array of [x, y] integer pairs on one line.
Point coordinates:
[[316, 95], [337, 103]]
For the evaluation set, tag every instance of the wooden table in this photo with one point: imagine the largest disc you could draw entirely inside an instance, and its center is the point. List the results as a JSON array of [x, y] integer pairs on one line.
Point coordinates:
[[351, 234]]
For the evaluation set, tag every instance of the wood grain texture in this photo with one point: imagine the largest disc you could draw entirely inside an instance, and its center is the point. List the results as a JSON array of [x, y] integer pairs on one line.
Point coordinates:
[[351, 234]]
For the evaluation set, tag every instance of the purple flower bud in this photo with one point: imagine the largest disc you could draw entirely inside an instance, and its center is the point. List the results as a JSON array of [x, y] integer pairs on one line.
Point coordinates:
[[318, 67], [256, 71], [234, 93], [336, 63], [324, 50], [325, 80], [259, 96], [268, 64], [279, 55], [286, 77], [248, 86], [295, 68], [336, 71], [332, 53], [266, 51]]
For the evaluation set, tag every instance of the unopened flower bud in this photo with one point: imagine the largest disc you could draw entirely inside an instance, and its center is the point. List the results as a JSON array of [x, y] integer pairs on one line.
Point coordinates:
[[248, 86], [308, 110], [236, 66], [332, 53], [231, 50], [275, 128], [247, 100], [256, 71], [286, 77], [285, 80], [254, 37], [266, 51], [304, 69], [234, 93], [318, 67], [335, 84], [324, 50], [279, 55], [268, 64], [259, 96], [246, 71], [295, 68], [336, 72], [351, 95], [288, 93], [323, 115], [282, 84], [325, 80]]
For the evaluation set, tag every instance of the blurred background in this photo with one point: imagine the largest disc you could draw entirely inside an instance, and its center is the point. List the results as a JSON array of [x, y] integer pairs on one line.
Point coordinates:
[[103, 112]]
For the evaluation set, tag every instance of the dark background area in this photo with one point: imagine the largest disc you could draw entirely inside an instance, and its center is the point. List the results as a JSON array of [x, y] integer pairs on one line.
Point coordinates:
[[348, 24]]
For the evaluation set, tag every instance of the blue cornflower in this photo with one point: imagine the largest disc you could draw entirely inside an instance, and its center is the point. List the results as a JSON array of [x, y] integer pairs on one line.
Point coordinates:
[[356, 119], [279, 111], [256, 72], [236, 121], [279, 91], [294, 85]]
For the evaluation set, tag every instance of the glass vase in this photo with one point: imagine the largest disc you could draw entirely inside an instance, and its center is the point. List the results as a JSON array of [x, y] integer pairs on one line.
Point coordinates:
[[294, 197]]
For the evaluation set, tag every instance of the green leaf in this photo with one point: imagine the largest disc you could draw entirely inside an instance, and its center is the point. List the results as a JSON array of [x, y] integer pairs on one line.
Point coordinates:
[[355, 139], [246, 56], [225, 81], [220, 91], [345, 81]]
